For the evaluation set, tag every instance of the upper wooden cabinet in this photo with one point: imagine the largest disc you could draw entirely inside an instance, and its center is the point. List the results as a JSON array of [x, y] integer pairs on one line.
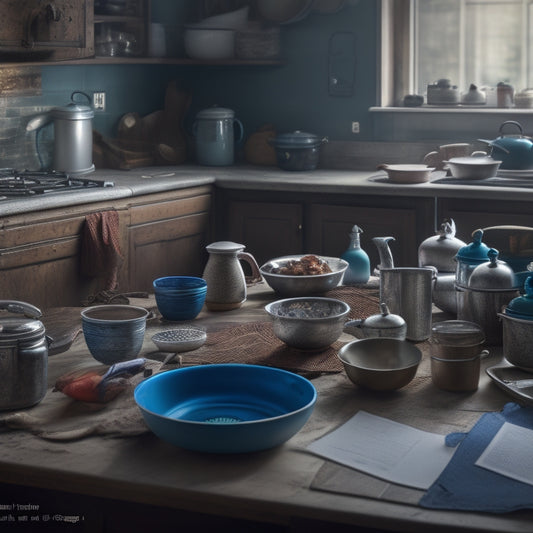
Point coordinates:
[[52, 30]]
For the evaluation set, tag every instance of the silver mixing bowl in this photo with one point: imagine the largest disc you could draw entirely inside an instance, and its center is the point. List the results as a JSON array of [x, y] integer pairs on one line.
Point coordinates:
[[380, 363], [308, 323]]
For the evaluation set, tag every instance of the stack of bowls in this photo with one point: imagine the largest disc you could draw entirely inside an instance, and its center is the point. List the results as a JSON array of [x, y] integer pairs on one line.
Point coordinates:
[[179, 297]]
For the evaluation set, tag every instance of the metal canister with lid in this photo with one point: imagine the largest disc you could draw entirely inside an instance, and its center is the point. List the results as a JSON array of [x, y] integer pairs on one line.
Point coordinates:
[[517, 320], [23, 356], [491, 286], [469, 257], [216, 130], [456, 348]]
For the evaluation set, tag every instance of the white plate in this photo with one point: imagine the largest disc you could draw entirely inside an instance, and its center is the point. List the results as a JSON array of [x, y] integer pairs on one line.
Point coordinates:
[[180, 339], [515, 173]]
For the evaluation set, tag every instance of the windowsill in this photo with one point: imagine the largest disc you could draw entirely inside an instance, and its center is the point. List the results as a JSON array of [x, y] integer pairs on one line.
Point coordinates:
[[462, 109]]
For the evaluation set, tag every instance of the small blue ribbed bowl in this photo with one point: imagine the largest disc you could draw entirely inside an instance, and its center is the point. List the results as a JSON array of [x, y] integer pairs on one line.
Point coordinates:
[[180, 297], [114, 333]]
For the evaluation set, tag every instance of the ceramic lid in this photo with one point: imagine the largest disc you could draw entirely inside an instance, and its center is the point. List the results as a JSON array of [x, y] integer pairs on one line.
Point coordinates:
[[215, 113], [224, 247], [476, 251], [522, 306], [493, 274], [297, 139]]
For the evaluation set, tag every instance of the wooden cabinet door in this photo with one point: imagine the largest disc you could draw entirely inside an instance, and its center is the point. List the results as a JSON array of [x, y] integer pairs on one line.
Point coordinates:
[[328, 228], [167, 237], [469, 216], [267, 229], [55, 30]]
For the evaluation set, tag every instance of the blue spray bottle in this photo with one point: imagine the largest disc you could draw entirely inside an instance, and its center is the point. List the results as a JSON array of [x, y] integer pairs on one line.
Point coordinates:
[[358, 270]]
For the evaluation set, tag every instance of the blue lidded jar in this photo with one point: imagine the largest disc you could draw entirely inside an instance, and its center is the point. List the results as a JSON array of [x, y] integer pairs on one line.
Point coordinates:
[[469, 257]]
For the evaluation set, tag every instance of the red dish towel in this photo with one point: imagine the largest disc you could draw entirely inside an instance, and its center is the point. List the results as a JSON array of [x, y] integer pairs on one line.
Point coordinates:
[[100, 252]]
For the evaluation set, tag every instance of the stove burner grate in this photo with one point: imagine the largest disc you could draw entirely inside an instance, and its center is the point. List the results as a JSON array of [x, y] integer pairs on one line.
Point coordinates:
[[30, 182]]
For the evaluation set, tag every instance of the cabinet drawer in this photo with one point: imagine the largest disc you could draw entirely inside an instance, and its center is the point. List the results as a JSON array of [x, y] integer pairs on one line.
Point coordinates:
[[169, 209]]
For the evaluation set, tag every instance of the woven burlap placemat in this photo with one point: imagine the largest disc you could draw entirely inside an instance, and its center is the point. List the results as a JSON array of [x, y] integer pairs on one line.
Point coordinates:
[[255, 343]]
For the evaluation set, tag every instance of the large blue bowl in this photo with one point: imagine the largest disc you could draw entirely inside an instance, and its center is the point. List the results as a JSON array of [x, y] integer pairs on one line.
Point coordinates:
[[226, 408]]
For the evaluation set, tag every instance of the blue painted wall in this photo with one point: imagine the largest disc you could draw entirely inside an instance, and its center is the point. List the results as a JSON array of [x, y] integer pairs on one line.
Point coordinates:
[[291, 96]]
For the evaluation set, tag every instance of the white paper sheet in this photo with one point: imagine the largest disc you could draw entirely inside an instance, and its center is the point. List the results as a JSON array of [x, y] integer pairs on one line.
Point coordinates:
[[510, 453], [386, 449]]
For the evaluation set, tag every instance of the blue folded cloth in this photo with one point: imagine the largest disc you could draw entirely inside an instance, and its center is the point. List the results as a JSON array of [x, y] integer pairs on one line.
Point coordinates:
[[464, 486]]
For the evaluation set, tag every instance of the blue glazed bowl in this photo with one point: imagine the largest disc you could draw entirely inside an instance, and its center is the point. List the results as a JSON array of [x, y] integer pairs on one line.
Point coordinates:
[[114, 333], [180, 297], [180, 283], [226, 408]]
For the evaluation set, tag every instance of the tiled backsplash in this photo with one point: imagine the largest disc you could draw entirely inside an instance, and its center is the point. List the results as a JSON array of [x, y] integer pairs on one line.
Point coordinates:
[[18, 147]]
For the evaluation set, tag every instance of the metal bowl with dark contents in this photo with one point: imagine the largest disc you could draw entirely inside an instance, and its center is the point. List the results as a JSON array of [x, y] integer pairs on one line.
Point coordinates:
[[296, 282]]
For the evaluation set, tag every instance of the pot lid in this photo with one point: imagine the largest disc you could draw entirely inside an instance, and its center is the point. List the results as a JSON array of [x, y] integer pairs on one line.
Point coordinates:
[[476, 251], [384, 320], [480, 160], [493, 274], [215, 113], [75, 110], [457, 333], [522, 306], [17, 329], [296, 139]]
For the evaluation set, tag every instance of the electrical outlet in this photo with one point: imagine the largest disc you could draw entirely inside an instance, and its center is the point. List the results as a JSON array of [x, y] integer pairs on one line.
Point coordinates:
[[355, 127], [99, 101]]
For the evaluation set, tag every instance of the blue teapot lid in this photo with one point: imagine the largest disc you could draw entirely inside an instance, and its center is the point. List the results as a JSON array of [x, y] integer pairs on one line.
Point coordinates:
[[522, 306], [476, 251]]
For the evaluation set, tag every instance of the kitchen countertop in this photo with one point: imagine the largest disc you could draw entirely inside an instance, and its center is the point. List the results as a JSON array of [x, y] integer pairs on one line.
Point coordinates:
[[135, 182], [269, 487]]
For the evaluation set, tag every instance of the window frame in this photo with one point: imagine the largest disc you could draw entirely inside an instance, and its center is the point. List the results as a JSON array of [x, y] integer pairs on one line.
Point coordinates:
[[396, 73]]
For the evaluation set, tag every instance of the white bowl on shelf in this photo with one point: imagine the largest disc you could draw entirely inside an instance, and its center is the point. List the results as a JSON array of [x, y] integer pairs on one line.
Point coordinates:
[[209, 43]]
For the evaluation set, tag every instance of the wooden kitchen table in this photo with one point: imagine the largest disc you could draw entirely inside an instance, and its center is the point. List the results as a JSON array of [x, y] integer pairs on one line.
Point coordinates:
[[136, 482]]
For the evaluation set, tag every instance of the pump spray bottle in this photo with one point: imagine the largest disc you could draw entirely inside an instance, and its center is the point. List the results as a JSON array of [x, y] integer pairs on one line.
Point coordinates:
[[358, 270]]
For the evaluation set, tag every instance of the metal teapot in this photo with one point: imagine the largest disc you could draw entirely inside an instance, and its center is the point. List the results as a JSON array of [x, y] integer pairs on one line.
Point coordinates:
[[514, 151], [441, 249], [384, 324], [73, 135], [23, 356]]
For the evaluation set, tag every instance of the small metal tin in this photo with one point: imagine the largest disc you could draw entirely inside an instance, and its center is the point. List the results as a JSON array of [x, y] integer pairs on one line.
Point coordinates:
[[458, 375]]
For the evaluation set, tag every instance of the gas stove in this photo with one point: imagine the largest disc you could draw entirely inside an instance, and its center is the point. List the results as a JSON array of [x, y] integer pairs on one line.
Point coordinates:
[[27, 183]]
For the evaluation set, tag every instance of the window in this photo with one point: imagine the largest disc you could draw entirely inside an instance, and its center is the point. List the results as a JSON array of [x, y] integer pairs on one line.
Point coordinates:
[[480, 42]]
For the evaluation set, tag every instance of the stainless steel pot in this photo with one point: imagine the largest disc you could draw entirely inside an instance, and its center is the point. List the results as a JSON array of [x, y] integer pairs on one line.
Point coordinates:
[[23, 356], [491, 286], [517, 341], [297, 150], [73, 135]]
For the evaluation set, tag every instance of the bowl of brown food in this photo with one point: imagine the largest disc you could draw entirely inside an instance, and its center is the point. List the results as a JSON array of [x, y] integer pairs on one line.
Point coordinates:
[[302, 275]]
